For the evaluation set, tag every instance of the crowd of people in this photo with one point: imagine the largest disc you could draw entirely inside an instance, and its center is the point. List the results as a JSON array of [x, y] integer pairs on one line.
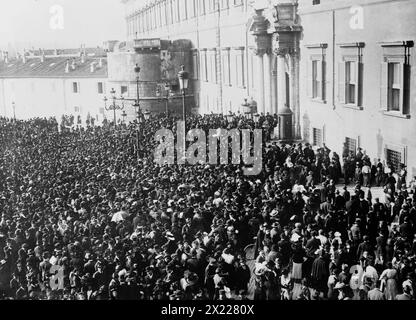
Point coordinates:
[[86, 214]]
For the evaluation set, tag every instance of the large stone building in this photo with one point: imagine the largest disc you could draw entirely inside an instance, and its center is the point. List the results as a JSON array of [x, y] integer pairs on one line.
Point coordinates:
[[337, 71], [356, 85]]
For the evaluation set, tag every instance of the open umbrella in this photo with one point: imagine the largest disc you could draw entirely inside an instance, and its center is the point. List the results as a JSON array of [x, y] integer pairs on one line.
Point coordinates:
[[119, 216]]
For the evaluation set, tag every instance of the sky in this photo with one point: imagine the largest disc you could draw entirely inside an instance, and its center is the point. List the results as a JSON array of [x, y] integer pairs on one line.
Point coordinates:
[[58, 24]]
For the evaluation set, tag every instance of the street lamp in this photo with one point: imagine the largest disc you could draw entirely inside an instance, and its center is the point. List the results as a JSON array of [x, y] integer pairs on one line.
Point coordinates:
[[14, 110], [114, 106], [137, 71], [146, 115], [246, 107], [256, 118], [167, 90], [183, 77], [230, 117], [253, 107], [124, 115]]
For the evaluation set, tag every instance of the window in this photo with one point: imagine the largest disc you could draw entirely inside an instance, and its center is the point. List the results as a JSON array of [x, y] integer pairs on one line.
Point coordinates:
[[395, 155], [394, 158], [315, 2], [351, 145], [182, 10], [316, 72], [239, 68], [195, 65], [212, 66], [395, 79], [211, 5], [77, 109], [225, 4], [351, 81], [350, 75], [191, 8], [163, 13], [317, 137], [316, 79], [394, 90], [123, 90], [203, 65], [75, 87], [202, 7], [225, 62], [350, 78], [100, 88]]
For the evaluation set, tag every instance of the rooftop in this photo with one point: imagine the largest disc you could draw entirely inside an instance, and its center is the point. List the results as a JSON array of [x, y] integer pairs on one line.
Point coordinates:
[[54, 67]]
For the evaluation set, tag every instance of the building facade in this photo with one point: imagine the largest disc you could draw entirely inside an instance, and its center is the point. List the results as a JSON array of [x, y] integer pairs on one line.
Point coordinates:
[[356, 84], [52, 83], [340, 68]]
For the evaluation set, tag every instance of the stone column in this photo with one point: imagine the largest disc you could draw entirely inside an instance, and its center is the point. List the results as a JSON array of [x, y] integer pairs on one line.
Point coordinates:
[[260, 80], [274, 86], [294, 84], [267, 83], [284, 112], [281, 81]]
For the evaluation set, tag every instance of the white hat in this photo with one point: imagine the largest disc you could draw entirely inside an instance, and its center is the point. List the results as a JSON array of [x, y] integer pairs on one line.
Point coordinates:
[[295, 237]]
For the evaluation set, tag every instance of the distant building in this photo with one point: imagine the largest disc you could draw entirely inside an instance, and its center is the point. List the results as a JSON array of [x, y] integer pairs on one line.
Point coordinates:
[[159, 62], [47, 83]]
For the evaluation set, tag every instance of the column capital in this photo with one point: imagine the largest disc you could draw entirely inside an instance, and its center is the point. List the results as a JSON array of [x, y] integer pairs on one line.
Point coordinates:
[[282, 52]]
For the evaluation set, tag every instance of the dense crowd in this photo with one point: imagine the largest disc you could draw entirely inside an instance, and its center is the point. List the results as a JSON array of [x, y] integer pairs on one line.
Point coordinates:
[[86, 214]]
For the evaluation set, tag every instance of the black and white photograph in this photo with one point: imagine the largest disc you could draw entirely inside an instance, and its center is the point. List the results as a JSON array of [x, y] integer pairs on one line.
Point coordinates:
[[224, 151]]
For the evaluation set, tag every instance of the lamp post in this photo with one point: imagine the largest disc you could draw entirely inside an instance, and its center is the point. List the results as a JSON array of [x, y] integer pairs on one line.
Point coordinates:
[[124, 115], [246, 107], [14, 110], [183, 77], [114, 106], [256, 118], [230, 117], [253, 107], [137, 71], [167, 90]]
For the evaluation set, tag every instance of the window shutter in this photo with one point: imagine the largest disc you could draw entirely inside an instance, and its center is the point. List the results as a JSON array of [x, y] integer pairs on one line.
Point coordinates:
[[360, 70], [401, 75], [309, 78], [323, 78], [384, 86], [341, 82], [406, 88]]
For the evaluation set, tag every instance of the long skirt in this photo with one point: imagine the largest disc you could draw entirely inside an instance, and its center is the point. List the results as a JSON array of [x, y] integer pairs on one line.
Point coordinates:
[[297, 271], [391, 289]]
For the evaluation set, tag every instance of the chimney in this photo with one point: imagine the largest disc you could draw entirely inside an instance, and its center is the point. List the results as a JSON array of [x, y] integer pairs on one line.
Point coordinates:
[[42, 56], [24, 57], [67, 66], [100, 64], [92, 67], [82, 57], [6, 57], [55, 52], [73, 64]]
